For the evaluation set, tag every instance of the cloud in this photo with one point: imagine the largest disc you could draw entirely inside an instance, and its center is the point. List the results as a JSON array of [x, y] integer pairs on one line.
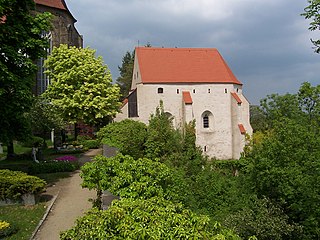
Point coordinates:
[[266, 42]]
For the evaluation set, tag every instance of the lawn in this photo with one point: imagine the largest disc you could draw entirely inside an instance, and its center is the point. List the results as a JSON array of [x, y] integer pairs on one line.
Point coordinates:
[[24, 218]]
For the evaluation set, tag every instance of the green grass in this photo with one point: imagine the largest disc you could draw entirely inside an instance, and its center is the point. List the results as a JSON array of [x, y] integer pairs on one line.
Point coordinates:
[[25, 218]]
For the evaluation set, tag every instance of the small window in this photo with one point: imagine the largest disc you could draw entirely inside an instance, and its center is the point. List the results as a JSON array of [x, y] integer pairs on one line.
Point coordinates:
[[205, 148], [237, 89], [160, 90], [178, 91], [206, 121], [225, 90], [194, 91], [209, 90]]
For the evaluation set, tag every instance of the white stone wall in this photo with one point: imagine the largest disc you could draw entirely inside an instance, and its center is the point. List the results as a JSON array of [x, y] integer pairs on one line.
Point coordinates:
[[222, 140]]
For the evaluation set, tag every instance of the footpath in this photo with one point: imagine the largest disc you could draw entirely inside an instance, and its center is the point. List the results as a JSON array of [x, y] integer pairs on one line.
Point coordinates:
[[68, 202]]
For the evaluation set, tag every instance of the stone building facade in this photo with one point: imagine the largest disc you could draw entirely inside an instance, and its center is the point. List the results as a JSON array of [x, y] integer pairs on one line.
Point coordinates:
[[193, 84], [63, 32]]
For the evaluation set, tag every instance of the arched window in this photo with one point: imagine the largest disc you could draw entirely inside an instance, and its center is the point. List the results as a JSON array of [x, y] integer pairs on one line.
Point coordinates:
[[160, 90], [206, 121]]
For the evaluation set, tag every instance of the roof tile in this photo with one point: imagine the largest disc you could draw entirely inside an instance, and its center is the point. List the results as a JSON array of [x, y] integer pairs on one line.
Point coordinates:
[[183, 65], [59, 4], [187, 99], [236, 97], [242, 129]]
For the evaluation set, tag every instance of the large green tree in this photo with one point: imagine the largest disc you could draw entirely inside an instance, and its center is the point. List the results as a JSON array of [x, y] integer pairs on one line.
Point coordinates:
[[81, 85], [20, 45], [285, 166], [126, 72], [312, 12]]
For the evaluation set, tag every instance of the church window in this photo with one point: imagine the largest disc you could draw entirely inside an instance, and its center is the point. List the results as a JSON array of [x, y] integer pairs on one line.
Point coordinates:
[[160, 90], [178, 91], [206, 121], [225, 90], [209, 90], [194, 91]]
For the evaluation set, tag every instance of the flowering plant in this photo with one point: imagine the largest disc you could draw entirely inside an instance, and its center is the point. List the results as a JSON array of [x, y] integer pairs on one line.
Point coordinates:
[[67, 158]]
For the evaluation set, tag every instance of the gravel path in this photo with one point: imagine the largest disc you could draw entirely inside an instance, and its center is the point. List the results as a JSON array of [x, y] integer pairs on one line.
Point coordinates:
[[70, 202]]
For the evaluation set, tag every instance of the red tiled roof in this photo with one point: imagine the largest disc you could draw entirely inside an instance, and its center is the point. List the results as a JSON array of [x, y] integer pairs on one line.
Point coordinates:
[[183, 65], [187, 97], [236, 97], [242, 129], [59, 4]]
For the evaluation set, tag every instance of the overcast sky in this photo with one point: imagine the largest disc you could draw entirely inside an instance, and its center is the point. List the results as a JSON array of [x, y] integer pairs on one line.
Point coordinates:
[[266, 43]]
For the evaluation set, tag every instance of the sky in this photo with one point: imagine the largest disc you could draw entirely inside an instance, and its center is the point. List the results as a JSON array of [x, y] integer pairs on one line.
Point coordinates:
[[266, 43]]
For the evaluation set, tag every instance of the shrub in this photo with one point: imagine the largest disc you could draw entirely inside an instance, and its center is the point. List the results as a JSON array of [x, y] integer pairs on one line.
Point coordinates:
[[34, 141], [53, 167], [154, 218], [6, 229], [90, 144], [68, 158], [128, 136], [13, 184]]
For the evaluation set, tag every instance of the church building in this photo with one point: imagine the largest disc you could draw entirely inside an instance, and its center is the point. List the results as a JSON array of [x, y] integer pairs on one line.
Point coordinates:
[[193, 84], [63, 32]]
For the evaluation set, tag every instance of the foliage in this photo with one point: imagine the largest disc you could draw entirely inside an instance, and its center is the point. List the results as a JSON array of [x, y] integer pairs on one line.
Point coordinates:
[[13, 184], [257, 119], [162, 138], [261, 218], [285, 165], [126, 177], [21, 45], [33, 141], [44, 117], [312, 12], [128, 136], [6, 229], [68, 158], [153, 218], [91, 144], [126, 72], [53, 167], [24, 218], [81, 85]]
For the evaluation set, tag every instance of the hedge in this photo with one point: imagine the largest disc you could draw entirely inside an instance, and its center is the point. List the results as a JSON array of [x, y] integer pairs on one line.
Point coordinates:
[[13, 184]]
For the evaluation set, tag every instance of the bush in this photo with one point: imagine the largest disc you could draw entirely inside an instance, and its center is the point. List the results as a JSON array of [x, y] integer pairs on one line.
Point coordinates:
[[14, 184], [128, 136], [154, 218], [34, 141], [53, 167], [6, 229], [90, 144]]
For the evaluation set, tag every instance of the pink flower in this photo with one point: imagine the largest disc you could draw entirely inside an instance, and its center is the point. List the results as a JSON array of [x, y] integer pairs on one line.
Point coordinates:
[[68, 158]]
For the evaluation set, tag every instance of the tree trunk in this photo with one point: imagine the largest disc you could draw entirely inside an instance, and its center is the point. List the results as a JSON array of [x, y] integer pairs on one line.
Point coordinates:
[[10, 150], [75, 131]]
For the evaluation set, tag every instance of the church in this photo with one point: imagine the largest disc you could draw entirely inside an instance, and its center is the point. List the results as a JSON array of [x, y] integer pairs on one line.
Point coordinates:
[[193, 84]]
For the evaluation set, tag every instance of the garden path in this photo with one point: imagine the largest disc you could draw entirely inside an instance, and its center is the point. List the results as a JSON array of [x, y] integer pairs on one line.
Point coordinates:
[[69, 201]]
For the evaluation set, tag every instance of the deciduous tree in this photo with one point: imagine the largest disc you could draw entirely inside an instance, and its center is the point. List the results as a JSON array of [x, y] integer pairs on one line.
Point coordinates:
[[81, 85], [312, 12], [20, 45]]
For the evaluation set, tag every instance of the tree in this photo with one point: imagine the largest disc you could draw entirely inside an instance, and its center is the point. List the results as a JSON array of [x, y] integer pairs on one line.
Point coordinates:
[[128, 136], [312, 12], [44, 117], [81, 85], [20, 45], [126, 72], [285, 166], [162, 138]]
